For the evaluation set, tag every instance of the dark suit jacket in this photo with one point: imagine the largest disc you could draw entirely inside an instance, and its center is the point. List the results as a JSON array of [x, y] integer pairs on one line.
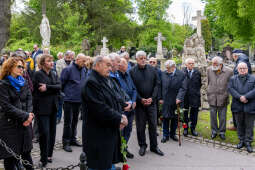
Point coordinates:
[[190, 91]]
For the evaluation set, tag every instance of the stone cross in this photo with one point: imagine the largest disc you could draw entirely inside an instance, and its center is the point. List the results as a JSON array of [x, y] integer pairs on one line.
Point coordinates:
[[198, 18], [104, 41], [159, 39]]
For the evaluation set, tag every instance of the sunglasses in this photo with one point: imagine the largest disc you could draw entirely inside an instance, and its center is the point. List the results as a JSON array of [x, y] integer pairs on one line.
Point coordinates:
[[152, 62], [20, 67]]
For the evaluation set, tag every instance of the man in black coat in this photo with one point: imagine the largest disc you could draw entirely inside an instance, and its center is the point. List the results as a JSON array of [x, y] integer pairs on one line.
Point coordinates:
[[241, 87], [191, 96], [172, 80], [104, 117], [145, 79]]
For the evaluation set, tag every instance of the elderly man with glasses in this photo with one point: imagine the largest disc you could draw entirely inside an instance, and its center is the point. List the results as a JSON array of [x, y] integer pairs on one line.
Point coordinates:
[[241, 87]]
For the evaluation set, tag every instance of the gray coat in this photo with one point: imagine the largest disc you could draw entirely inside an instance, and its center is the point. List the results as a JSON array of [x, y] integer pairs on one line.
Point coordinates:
[[217, 91]]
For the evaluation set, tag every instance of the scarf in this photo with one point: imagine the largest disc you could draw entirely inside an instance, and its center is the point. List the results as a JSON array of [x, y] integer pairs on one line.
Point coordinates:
[[17, 83]]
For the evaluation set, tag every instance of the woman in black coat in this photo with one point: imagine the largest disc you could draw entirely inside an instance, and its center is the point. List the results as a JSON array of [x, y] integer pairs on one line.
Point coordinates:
[[46, 91], [15, 113]]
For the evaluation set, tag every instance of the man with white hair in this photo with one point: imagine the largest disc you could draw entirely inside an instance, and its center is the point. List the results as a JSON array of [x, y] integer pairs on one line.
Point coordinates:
[[241, 87], [171, 81], [218, 77], [191, 96], [146, 81], [72, 78], [238, 56]]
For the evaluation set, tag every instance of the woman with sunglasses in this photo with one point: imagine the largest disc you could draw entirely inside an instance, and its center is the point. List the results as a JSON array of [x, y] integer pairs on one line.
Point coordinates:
[[15, 114]]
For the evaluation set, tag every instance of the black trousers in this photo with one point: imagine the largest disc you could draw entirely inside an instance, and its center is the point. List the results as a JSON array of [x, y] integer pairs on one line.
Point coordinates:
[[245, 124], [12, 163], [71, 117], [190, 115], [173, 126], [144, 114], [47, 135]]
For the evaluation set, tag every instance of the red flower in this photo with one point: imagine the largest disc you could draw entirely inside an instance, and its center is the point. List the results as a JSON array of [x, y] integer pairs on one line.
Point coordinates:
[[125, 167], [184, 125]]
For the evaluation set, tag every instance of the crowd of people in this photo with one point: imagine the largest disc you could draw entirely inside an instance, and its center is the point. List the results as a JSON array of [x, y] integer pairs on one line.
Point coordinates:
[[110, 92]]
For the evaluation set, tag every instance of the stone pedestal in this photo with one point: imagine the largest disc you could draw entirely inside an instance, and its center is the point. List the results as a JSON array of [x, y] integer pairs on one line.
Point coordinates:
[[194, 48]]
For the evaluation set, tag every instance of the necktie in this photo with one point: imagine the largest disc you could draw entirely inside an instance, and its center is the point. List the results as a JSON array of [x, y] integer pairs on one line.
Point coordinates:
[[189, 74]]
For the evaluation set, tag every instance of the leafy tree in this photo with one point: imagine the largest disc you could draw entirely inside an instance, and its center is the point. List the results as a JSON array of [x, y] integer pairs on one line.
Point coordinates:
[[5, 17], [206, 32]]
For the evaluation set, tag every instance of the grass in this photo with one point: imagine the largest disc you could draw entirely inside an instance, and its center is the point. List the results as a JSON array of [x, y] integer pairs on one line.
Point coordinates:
[[204, 128]]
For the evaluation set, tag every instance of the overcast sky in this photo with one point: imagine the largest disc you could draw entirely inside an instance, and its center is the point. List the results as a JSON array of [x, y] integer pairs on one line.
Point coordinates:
[[175, 11]]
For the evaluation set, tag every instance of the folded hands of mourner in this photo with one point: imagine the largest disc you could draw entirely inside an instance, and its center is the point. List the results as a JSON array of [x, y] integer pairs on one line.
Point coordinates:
[[29, 120]]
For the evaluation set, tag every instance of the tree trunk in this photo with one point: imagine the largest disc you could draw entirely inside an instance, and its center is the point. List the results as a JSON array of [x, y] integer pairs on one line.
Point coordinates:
[[5, 18]]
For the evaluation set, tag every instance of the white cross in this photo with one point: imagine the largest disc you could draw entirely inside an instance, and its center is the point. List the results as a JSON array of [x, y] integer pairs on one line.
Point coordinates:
[[198, 18], [159, 39], [104, 41]]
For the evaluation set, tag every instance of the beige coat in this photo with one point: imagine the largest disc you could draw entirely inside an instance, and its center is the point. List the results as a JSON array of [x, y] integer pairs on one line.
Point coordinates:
[[60, 65], [217, 90]]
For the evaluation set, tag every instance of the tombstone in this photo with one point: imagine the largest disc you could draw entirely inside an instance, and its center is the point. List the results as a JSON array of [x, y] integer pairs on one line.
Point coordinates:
[[159, 39], [227, 54], [104, 51], [194, 47], [97, 50], [198, 18], [85, 46], [159, 54], [164, 51]]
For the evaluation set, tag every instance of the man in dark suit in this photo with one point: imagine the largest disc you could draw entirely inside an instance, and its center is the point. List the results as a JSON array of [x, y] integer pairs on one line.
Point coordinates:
[[241, 88], [104, 117], [191, 96], [172, 80], [145, 79]]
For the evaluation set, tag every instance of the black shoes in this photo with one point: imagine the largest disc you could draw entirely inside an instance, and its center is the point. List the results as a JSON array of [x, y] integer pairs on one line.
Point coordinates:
[[67, 148], [164, 139], [248, 147], [76, 143], [222, 136], [174, 138], [49, 160], [142, 151], [185, 132], [157, 151], [129, 155], [213, 135], [240, 145]]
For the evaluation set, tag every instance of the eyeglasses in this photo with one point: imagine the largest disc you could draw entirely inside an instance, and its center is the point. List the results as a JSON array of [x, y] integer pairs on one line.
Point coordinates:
[[20, 67], [152, 62]]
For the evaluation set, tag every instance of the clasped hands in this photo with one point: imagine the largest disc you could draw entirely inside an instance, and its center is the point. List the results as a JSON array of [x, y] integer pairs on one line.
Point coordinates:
[[243, 99], [42, 87], [29, 120], [146, 102], [177, 101]]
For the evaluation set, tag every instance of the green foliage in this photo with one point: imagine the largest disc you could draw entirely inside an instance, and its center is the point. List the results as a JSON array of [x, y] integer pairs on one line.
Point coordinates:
[[206, 32], [152, 9]]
